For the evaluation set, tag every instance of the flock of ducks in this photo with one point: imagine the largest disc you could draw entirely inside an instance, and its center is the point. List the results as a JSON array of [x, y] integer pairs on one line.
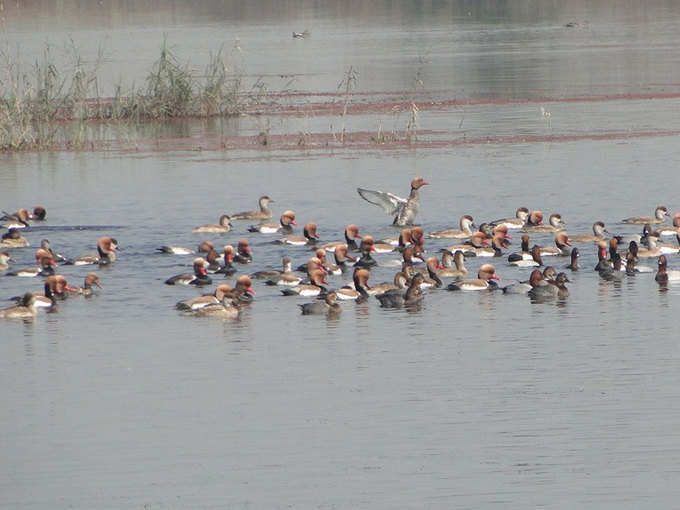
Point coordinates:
[[618, 256]]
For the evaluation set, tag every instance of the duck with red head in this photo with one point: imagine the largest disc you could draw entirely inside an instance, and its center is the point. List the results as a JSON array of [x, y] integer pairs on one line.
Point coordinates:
[[19, 219], [308, 238], [285, 226], [91, 279], [562, 246], [524, 253], [404, 210], [351, 235], [555, 224], [106, 253], [484, 281], [366, 260], [341, 258], [315, 288], [361, 290], [46, 267], [469, 248], [264, 213], [664, 275], [199, 277], [244, 255], [535, 259]]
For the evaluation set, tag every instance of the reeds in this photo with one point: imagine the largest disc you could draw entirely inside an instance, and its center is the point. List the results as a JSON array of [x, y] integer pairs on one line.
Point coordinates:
[[33, 102]]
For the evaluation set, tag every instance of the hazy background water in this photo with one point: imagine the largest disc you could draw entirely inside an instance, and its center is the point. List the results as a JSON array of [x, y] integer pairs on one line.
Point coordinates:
[[472, 401]]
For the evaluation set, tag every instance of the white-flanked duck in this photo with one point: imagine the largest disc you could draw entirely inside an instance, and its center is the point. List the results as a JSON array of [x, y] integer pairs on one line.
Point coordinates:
[[315, 288], [13, 239], [223, 226], [328, 306], [106, 253], [341, 258], [308, 238], [518, 221], [404, 210], [205, 247], [660, 214], [241, 294], [366, 248], [448, 259], [284, 227], [467, 223], [287, 279], [555, 224], [534, 262], [664, 275], [199, 277], [223, 310], [671, 231], [669, 249], [361, 290], [176, 250], [227, 260], [46, 268], [524, 253], [263, 214], [26, 309], [351, 235], [484, 280], [562, 246], [399, 298], [18, 219]]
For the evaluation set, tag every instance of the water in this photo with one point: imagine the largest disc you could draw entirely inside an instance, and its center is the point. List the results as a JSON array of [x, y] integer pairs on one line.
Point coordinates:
[[472, 401]]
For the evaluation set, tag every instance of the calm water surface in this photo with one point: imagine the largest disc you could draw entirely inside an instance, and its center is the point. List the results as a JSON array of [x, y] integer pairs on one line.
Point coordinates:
[[471, 401]]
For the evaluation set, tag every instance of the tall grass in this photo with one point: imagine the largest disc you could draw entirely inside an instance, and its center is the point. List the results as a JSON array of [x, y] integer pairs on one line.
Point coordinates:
[[33, 102]]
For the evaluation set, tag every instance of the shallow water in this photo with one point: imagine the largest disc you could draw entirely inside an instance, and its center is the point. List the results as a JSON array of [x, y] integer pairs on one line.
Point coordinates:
[[471, 401]]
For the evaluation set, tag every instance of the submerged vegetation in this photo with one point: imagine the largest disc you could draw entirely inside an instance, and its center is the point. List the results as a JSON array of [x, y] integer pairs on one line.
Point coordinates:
[[35, 104]]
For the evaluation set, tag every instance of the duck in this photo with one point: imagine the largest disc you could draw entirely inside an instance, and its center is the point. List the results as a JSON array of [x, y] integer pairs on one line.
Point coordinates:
[[540, 288], [400, 282], [521, 287], [86, 290], [401, 241], [561, 248], [651, 251], [398, 298], [314, 288], [598, 234], [366, 259], [573, 264], [227, 260], [601, 256], [555, 224], [18, 219], [484, 280], [225, 309], [176, 250], [263, 214], [520, 219], [470, 247], [495, 250], [285, 279], [409, 255], [535, 259], [664, 275], [55, 287], [284, 227], [13, 239], [613, 270], [223, 226], [243, 289], [309, 237], [632, 259], [26, 309], [39, 213], [360, 292], [673, 230], [46, 268], [560, 280], [447, 270], [244, 255], [432, 280], [524, 253], [660, 214], [351, 235], [4, 259], [287, 267], [45, 245], [669, 249], [341, 258], [205, 247], [329, 306], [467, 223], [106, 253], [199, 277], [404, 210], [534, 219]]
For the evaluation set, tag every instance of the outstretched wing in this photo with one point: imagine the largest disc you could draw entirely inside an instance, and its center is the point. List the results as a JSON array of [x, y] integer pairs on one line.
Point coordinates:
[[390, 203]]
